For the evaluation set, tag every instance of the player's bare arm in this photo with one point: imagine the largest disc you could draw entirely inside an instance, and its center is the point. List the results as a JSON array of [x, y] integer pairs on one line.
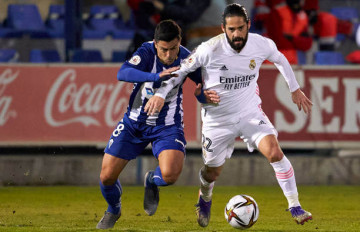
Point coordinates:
[[302, 102], [155, 103]]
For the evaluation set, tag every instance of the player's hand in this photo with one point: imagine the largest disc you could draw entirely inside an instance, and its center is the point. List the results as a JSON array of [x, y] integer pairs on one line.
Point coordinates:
[[154, 105], [168, 73], [302, 102], [210, 95]]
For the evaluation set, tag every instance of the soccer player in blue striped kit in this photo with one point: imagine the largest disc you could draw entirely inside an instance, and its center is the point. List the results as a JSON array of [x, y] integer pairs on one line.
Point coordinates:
[[151, 64]]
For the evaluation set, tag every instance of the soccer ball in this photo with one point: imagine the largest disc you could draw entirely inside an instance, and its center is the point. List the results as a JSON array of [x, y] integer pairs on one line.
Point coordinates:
[[241, 212]]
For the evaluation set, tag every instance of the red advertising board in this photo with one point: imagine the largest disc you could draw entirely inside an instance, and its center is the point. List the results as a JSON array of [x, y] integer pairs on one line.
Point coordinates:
[[80, 105], [335, 117]]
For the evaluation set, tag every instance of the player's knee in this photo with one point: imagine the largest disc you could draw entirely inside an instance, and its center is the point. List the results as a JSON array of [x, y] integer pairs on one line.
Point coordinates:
[[211, 175], [170, 178], [107, 179], [275, 156]]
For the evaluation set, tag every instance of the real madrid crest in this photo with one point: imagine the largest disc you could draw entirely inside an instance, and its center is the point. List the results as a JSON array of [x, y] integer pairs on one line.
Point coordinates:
[[252, 64]]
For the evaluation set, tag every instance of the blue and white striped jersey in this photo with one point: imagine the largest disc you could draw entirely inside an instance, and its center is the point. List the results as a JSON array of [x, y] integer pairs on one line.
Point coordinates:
[[142, 69]]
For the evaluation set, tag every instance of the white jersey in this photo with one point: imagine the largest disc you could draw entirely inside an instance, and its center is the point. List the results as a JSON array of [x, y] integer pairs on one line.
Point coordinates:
[[232, 75]]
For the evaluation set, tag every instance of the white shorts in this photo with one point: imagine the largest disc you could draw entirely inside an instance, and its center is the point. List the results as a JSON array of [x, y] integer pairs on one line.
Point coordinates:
[[218, 141]]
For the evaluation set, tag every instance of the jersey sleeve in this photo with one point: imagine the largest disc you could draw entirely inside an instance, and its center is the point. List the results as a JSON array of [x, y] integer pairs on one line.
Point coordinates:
[[283, 65], [196, 76], [136, 68], [193, 62]]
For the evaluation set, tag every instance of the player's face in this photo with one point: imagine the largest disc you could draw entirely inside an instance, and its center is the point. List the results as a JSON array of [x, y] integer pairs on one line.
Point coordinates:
[[167, 51], [236, 30]]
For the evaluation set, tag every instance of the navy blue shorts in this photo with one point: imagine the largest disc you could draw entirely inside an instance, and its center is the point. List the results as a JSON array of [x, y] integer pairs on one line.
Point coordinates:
[[130, 138]]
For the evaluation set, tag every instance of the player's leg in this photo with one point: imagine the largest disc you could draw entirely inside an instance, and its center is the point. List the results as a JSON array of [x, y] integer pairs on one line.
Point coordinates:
[[258, 132], [170, 167], [207, 176], [218, 145], [285, 176], [168, 171], [169, 148], [121, 148], [284, 172], [111, 189]]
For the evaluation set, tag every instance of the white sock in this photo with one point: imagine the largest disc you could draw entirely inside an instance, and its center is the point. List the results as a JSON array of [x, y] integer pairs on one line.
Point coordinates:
[[285, 176], [206, 188]]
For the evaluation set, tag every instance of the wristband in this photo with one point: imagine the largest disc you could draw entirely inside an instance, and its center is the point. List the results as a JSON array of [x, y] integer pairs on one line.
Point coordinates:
[[201, 98]]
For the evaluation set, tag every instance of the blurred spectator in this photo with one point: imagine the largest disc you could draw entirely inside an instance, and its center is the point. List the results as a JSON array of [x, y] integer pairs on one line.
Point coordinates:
[[324, 25], [146, 18], [149, 12], [287, 25], [345, 27], [354, 57], [261, 12], [207, 26]]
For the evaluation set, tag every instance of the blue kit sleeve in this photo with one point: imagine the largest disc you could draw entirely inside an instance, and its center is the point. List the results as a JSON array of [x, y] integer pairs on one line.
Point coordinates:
[[196, 77], [130, 74], [201, 98]]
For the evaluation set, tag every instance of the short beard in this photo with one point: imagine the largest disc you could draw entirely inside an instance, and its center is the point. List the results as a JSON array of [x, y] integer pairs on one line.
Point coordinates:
[[237, 48]]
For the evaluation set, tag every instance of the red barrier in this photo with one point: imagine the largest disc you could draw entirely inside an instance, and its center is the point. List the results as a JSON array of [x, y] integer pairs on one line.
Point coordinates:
[[64, 105], [80, 105], [334, 120]]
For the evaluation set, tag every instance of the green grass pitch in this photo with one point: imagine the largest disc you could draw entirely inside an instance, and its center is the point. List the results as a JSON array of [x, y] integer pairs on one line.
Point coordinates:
[[72, 208]]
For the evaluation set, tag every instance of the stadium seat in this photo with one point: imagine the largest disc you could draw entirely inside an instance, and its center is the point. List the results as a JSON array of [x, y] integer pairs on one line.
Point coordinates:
[[301, 55], [55, 21], [105, 18], [44, 56], [118, 56], [329, 58], [9, 33], [103, 10], [86, 56], [131, 23], [346, 13], [56, 11], [24, 17], [8, 55], [89, 33], [123, 34]]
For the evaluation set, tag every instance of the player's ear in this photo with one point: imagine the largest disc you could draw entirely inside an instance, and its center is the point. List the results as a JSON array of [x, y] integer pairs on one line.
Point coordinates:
[[222, 27], [249, 24]]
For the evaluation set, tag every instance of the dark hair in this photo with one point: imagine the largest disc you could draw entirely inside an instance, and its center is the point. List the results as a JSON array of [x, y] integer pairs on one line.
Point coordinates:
[[235, 9], [167, 30]]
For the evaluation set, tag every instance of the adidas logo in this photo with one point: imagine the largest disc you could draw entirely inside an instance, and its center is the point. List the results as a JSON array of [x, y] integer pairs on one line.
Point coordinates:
[[261, 122], [224, 68]]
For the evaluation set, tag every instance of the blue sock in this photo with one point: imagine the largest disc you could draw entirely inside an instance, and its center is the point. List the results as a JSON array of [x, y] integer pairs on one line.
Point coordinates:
[[112, 194], [157, 178]]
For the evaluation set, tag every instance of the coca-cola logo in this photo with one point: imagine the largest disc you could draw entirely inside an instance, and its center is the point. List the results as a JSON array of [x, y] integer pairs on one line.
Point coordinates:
[[6, 78], [70, 102]]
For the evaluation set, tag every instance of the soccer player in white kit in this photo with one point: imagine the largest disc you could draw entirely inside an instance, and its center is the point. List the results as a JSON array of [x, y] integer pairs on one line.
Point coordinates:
[[230, 65]]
